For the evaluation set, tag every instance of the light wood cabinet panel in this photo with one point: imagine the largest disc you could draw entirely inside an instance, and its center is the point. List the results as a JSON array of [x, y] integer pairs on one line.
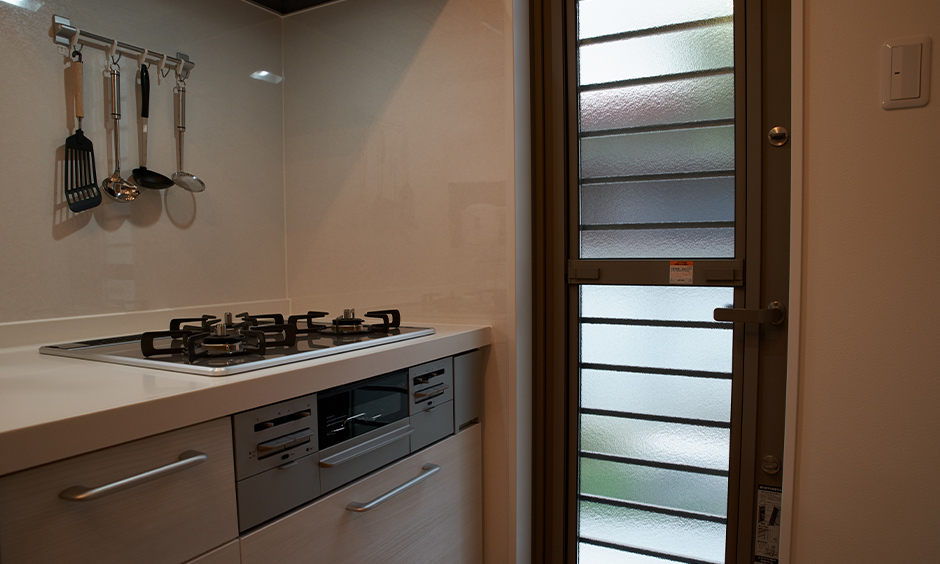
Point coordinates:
[[225, 554], [170, 519], [437, 520]]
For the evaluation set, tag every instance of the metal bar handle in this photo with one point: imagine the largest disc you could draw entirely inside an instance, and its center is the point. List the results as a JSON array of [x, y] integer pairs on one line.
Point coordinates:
[[428, 470], [366, 447], [188, 459], [775, 313]]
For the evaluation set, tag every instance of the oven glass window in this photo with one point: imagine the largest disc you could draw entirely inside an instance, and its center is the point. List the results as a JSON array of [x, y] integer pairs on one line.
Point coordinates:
[[354, 410]]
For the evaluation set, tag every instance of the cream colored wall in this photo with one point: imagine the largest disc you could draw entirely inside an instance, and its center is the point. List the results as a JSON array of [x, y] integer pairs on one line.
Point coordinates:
[[166, 249], [400, 183], [866, 479]]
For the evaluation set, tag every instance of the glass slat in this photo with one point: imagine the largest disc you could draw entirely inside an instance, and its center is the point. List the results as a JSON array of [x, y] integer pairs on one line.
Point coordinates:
[[672, 443], [707, 399], [677, 348], [702, 98], [658, 201], [705, 149], [593, 554], [690, 538], [606, 17], [710, 242], [684, 51], [674, 489], [672, 303]]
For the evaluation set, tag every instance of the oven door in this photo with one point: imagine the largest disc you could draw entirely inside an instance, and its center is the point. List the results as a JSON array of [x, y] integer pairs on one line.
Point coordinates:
[[362, 426]]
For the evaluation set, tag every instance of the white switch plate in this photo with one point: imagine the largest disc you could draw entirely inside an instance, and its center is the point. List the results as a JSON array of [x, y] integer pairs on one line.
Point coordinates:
[[905, 73]]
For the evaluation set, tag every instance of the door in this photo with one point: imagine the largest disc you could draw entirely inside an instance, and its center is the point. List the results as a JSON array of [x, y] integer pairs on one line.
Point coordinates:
[[675, 208]]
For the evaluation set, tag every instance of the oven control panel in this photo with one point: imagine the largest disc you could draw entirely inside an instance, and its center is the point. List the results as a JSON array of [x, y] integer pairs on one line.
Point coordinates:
[[431, 384], [274, 435]]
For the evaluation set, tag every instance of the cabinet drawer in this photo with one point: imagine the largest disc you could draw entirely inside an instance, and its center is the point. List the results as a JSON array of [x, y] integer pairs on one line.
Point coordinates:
[[171, 518], [438, 519], [431, 425], [226, 554]]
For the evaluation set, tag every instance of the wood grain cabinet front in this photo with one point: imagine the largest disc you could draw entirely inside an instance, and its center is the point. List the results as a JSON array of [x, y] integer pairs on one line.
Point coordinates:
[[433, 515], [164, 499]]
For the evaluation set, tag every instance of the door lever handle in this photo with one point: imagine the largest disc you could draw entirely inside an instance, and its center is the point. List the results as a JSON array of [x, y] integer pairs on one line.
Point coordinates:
[[775, 313]]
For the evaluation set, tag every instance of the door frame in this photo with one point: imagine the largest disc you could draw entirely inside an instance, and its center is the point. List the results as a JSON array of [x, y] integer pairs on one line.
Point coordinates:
[[554, 463]]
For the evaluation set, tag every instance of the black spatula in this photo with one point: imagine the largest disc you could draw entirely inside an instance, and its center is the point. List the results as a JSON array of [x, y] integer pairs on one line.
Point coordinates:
[[81, 181]]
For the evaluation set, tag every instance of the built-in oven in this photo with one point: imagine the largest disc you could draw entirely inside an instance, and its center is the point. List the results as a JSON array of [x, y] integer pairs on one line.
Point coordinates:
[[289, 453], [362, 426]]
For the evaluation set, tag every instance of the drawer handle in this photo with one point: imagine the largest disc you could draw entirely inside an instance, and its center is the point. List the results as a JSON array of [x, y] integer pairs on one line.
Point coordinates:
[[366, 447], [188, 459], [419, 396], [428, 471]]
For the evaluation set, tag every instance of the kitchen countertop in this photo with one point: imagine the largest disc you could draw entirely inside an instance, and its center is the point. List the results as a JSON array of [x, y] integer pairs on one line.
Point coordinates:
[[55, 407]]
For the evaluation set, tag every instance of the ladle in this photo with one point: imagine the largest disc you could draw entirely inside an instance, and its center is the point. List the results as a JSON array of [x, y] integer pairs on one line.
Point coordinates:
[[115, 186], [141, 176], [184, 179]]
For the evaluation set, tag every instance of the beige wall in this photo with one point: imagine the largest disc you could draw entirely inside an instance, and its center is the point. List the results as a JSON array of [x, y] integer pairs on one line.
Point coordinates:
[[400, 184], [867, 456], [167, 249]]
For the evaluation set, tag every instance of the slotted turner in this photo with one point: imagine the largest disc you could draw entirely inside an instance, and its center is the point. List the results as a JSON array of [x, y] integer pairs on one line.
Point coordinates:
[[81, 181]]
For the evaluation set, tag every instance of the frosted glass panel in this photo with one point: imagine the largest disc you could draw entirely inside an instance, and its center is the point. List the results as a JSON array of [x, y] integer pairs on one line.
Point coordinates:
[[675, 443], [689, 50], [605, 17], [653, 531], [673, 489], [591, 554], [658, 201], [657, 394], [678, 348], [673, 303], [674, 101], [709, 242], [704, 149]]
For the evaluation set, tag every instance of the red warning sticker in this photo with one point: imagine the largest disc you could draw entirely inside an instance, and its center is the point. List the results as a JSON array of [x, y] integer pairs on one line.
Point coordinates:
[[680, 272]]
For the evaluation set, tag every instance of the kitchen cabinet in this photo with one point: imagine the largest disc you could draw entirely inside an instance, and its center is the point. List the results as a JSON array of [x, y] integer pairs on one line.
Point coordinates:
[[225, 554], [170, 519], [438, 519]]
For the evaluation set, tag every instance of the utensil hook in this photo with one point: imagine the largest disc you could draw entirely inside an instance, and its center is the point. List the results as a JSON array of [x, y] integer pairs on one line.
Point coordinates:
[[161, 65], [76, 47], [143, 57], [179, 73], [114, 50]]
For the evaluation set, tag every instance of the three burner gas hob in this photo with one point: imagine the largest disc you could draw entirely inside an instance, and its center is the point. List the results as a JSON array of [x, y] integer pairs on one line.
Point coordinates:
[[212, 346]]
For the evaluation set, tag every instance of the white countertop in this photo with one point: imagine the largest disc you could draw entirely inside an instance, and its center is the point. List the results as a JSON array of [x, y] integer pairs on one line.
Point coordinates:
[[55, 407]]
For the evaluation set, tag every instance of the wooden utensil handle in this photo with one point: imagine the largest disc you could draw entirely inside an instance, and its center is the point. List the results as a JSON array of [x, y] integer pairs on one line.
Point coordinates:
[[77, 77]]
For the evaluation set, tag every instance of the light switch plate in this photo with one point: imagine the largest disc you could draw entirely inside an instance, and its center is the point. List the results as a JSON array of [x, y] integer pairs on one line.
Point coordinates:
[[905, 73]]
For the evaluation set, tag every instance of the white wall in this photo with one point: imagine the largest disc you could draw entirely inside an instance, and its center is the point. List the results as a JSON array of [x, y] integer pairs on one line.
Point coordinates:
[[166, 249], [867, 459], [400, 182]]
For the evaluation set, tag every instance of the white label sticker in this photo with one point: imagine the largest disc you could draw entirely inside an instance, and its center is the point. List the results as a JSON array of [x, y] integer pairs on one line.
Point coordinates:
[[767, 545], [680, 272]]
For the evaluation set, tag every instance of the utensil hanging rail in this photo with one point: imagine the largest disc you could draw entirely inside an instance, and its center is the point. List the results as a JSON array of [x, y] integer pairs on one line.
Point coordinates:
[[67, 35]]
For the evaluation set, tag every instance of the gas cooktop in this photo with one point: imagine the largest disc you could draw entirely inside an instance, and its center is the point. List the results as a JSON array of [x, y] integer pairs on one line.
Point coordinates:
[[212, 346]]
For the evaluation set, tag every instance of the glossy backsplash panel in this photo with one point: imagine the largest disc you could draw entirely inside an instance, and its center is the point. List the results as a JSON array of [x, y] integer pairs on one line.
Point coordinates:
[[167, 249], [399, 164]]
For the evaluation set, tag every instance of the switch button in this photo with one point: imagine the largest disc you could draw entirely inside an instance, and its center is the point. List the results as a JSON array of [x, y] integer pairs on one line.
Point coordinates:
[[905, 71]]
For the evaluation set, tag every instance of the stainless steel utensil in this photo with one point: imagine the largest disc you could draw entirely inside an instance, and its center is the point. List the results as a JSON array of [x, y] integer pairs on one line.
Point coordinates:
[[115, 186], [184, 179], [141, 176]]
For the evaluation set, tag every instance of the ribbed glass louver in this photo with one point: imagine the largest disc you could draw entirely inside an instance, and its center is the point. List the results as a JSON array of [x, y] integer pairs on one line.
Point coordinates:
[[656, 135]]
